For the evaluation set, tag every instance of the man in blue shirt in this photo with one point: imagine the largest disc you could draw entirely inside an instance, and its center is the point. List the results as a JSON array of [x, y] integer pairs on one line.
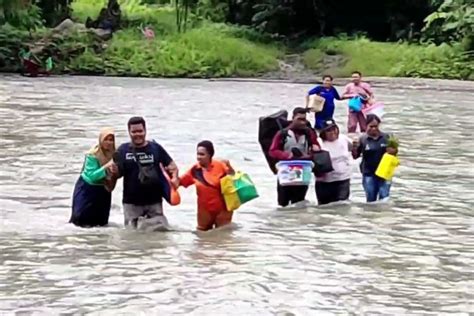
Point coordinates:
[[329, 93], [141, 163]]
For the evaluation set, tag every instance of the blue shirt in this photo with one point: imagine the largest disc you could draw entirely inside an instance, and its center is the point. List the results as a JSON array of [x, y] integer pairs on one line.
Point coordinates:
[[134, 192], [328, 110]]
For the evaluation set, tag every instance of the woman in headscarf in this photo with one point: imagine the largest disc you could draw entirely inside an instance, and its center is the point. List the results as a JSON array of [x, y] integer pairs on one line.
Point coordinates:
[[206, 175], [92, 193]]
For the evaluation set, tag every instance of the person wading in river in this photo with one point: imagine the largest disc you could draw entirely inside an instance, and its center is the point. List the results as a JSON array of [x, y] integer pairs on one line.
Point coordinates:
[[357, 88], [329, 93], [92, 193], [206, 175], [372, 146], [140, 163], [296, 142]]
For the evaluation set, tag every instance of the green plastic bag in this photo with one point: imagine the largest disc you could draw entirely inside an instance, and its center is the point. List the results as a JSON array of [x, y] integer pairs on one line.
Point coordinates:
[[245, 188], [237, 189]]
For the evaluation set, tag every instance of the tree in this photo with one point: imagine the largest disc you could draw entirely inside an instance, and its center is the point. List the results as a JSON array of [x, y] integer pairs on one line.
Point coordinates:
[[453, 21]]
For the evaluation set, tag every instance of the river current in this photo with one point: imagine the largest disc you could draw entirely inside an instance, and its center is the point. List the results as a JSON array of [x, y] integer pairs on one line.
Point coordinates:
[[411, 256]]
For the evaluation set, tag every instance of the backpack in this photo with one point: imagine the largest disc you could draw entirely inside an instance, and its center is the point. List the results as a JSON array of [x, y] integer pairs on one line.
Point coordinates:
[[284, 137]]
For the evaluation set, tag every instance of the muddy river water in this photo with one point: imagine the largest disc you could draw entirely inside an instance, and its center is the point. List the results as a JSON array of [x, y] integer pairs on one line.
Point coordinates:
[[411, 256]]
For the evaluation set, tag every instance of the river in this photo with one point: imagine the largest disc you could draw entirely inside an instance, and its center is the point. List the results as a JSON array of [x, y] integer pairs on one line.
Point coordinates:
[[411, 256]]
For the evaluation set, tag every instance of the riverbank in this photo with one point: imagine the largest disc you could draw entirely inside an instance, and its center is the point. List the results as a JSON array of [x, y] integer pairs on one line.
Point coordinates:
[[214, 50]]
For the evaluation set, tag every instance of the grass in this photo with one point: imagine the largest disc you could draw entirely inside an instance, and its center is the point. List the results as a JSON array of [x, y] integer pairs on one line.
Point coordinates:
[[206, 50], [389, 59]]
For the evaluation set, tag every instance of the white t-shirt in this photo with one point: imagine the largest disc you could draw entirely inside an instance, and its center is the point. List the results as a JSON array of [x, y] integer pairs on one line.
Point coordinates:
[[341, 159]]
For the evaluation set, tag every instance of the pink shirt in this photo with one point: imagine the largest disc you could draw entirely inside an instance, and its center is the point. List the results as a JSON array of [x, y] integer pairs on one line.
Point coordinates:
[[352, 90]]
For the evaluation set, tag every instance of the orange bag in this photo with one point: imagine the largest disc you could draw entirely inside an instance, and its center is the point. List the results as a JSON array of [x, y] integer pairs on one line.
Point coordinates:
[[173, 198]]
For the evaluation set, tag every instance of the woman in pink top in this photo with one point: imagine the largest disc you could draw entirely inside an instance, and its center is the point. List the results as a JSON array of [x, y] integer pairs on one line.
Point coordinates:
[[357, 88]]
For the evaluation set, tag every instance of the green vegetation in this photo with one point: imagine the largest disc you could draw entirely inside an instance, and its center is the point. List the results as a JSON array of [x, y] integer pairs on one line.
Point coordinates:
[[388, 59], [201, 52], [393, 142], [222, 38]]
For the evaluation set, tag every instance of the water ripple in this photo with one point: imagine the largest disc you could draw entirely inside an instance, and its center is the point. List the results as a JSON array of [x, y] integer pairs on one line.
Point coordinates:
[[412, 256]]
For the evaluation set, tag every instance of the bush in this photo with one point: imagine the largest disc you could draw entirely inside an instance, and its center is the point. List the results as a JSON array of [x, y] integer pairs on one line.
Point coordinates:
[[201, 52], [391, 59], [11, 41], [134, 14]]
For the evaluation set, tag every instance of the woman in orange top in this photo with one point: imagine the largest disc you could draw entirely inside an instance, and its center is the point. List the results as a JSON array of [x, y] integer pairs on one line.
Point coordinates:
[[206, 175]]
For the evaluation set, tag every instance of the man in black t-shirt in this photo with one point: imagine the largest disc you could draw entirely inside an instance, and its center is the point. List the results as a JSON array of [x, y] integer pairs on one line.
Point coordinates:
[[142, 163]]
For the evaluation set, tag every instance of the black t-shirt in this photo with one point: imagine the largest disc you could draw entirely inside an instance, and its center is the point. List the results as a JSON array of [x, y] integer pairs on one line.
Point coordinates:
[[372, 151], [134, 192]]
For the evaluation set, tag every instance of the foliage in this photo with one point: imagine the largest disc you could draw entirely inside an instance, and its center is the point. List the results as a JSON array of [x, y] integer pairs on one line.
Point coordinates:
[[135, 14], [393, 142], [11, 41], [213, 10], [245, 32], [201, 52], [54, 11], [390, 59], [453, 21], [20, 14]]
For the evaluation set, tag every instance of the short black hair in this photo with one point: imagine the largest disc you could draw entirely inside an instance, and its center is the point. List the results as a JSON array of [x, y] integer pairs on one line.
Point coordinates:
[[208, 145], [372, 117], [328, 76], [136, 120], [357, 72], [299, 110]]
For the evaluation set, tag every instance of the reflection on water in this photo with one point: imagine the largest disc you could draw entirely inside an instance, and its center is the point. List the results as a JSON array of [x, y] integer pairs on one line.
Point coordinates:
[[414, 255]]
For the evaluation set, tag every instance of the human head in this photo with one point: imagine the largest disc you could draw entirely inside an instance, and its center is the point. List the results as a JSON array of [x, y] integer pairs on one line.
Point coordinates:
[[106, 147], [373, 122], [329, 131], [205, 152], [299, 118], [327, 81], [356, 77], [137, 130], [107, 139]]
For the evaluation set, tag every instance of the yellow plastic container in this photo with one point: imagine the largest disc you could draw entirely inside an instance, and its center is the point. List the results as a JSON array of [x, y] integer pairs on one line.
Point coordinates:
[[229, 192], [387, 166]]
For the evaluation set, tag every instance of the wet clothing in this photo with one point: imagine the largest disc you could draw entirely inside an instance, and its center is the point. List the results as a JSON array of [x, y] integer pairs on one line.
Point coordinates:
[[357, 118], [92, 172], [209, 220], [335, 185], [341, 159], [211, 207], [281, 149], [291, 194], [91, 200], [354, 119], [372, 151], [208, 185], [375, 188], [153, 155], [134, 215], [329, 192], [329, 95]]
